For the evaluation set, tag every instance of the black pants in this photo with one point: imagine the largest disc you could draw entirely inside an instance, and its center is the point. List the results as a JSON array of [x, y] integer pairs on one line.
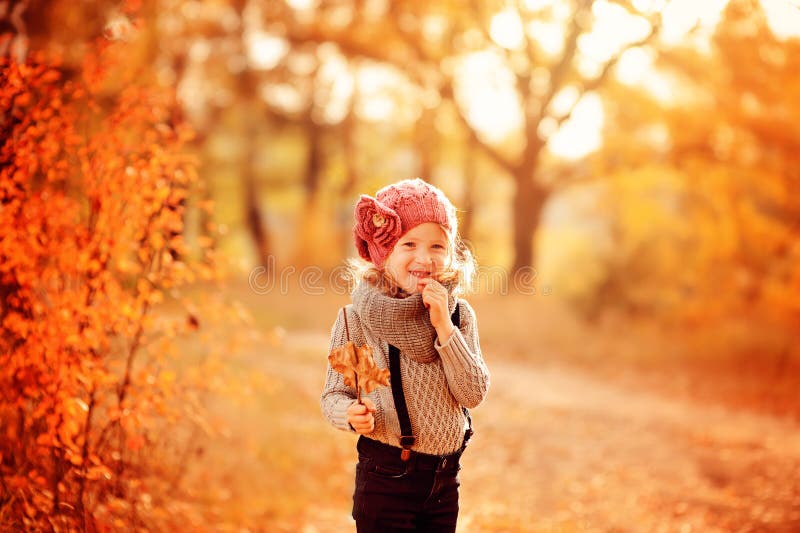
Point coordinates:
[[420, 494]]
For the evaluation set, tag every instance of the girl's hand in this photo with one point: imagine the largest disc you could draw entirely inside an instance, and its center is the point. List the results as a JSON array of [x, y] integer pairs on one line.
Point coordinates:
[[359, 416], [434, 296]]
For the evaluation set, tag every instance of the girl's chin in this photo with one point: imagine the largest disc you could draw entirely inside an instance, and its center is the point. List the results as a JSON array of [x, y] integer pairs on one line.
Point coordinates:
[[412, 284], [412, 287]]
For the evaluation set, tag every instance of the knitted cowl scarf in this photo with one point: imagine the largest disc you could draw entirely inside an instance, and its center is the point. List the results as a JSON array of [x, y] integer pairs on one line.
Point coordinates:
[[402, 322]]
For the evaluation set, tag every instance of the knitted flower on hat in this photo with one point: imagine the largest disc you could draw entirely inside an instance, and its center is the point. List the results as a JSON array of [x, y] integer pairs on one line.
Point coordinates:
[[395, 209]]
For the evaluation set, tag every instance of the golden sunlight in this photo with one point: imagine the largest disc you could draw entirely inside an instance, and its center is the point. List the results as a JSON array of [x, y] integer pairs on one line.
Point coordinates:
[[615, 29], [302, 4], [635, 67], [485, 89], [379, 90], [680, 16], [783, 17], [581, 134], [336, 89], [264, 51], [535, 5], [549, 35], [506, 30]]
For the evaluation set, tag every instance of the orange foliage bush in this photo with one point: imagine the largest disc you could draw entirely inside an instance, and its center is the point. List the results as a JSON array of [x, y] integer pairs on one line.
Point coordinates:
[[92, 194]]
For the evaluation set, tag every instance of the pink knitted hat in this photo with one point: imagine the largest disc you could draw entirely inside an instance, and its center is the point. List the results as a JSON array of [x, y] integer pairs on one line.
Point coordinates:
[[397, 208]]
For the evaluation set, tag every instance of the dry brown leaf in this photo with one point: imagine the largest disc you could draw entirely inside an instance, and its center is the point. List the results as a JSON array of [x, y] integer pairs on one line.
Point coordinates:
[[358, 367], [371, 377], [344, 360]]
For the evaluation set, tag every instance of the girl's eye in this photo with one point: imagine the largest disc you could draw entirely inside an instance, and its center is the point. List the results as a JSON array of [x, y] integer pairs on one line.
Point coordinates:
[[438, 247], [408, 244]]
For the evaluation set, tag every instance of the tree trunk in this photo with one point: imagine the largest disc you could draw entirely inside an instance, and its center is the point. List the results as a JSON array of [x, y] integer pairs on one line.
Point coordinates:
[[425, 141], [344, 217], [468, 200], [254, 216], [350, 155], [527, 206], [313, 161]]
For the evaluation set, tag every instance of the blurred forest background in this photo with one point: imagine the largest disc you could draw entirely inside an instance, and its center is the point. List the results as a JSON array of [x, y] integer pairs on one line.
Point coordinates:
[[177, 181]]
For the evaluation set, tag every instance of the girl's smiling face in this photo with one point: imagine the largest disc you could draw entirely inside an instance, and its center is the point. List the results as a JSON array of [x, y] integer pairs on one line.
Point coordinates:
[[420, 253]]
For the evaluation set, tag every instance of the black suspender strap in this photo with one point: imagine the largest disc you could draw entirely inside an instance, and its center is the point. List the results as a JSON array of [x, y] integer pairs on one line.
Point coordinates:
[[455, 318], [407, 438]]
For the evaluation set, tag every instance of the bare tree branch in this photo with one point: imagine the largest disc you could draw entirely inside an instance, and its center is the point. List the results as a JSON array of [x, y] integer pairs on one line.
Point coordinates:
[[559, 71], [447, 91], [597, 81], [489, 150], [530, 47], [522, 81]]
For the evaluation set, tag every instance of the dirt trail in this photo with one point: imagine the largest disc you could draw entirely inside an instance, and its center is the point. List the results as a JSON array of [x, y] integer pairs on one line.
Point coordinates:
[[559, 450], [567, 452]]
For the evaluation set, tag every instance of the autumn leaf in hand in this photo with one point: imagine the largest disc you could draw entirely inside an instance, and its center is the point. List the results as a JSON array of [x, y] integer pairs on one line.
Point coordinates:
[[358, 367], [371, 377], [345, 361]]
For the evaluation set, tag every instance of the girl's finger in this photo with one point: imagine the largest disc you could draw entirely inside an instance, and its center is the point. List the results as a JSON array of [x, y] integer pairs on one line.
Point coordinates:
[[369, 404]]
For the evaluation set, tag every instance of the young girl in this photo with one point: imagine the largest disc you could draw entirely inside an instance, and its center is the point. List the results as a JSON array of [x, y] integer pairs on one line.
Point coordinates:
[[414, 432]]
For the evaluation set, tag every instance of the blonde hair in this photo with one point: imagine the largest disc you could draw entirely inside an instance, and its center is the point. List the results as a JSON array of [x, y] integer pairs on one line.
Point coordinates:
[[459, 271]]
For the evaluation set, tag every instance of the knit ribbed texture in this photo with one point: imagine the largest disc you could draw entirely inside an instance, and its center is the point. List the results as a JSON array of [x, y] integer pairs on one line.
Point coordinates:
[[403, 322], [397, 208], [435, 386]]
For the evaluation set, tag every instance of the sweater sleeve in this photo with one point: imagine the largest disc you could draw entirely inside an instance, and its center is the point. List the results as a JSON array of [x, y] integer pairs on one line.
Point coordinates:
[[464, 367], [336, 396]]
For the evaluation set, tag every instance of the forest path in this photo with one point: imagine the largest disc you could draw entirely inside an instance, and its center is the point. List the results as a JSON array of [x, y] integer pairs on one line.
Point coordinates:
[[560, 450], [566, 451]]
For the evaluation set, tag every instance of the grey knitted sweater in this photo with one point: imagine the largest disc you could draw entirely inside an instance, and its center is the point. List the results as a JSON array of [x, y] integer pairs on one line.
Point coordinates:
[[437, 379]]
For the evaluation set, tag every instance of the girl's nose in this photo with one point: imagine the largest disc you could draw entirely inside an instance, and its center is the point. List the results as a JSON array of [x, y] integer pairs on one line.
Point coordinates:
[[424, 258], [426, 261]]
